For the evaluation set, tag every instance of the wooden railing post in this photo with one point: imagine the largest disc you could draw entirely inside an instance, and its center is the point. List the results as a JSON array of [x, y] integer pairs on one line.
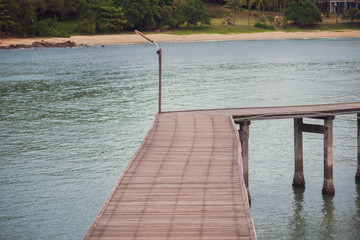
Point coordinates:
[[244, 139], [298, 180], [357, 176], [328, 187]]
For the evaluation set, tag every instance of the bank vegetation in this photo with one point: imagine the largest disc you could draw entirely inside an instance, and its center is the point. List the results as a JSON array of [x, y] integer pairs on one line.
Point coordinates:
[[63, 18]]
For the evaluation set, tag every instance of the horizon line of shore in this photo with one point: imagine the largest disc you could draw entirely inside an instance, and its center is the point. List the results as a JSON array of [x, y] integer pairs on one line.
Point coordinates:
[[161, 37]]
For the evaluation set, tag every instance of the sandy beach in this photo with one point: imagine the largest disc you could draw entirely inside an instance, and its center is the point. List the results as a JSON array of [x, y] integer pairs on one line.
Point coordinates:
[[133, 38]]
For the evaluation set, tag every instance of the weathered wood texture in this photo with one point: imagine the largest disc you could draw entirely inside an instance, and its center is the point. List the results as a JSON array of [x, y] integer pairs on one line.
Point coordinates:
[[282, 112], [357, 176], [244, 133], [328, 186], [298, 180], [185, 182]]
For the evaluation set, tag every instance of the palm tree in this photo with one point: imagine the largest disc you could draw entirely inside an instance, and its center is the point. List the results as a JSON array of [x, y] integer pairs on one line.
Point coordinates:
[[352, 13], [235, 6], [260, 5], [249, 6]]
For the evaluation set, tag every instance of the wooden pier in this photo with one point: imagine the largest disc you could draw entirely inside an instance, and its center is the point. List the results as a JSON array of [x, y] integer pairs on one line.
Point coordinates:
[[189, 178]]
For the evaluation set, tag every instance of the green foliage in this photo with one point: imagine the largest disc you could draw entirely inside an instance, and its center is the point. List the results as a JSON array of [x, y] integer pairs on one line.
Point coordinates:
[[352, 13], [270, 18], [5, 20], [48, 27], [167, 19], [235, 6], [109, 19], [194, 12], [264, 26], [303, 13], [141, 14], [45, 17], [86, 26]]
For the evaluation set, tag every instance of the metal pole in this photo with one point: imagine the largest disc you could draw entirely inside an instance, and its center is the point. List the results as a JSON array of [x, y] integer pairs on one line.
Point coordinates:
[[159, 52]]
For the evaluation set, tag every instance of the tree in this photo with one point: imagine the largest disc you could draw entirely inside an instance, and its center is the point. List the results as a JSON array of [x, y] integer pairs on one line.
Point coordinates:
[[168, 19], [249, 7], [235, 6], [303, 13], [194, 12], [352, 13], [141, 14], [179, 15], [5, 21], [260, 5], [109, 19]]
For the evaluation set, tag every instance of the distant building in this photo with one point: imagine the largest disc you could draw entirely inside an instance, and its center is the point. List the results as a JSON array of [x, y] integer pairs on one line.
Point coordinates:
[[338, 5]]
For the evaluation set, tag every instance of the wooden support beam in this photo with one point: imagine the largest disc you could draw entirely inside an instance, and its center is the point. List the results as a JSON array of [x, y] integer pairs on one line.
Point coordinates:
[[312, 128], [298, 180], [357, 176], [244, 139], [328, 186]]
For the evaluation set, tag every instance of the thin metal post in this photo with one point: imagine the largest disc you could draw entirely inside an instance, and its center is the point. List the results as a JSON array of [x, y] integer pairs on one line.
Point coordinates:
[[159, 52]]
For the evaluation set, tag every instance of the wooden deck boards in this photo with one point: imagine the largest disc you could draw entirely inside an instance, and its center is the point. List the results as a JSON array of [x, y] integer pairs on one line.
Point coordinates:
[[183, 183], [186, 180]]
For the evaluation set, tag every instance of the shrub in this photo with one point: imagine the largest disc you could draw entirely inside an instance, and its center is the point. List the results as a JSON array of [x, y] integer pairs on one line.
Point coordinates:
[[270, 18], [303, 13], [48, 28], [264, 26], [262, 18], [164, 28], [85, 26]]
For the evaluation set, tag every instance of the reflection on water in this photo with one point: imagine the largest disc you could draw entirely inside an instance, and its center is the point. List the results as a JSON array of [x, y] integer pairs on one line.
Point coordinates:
[[297, 223], [328, 218]]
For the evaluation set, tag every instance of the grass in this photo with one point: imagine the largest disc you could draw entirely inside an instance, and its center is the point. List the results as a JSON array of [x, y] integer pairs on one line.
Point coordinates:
[[218, 26], [241, 26]]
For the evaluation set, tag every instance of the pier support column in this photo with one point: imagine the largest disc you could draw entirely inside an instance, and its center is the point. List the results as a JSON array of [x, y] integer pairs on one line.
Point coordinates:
[[357, 176], [244, 139], [327, 130], [328, 187], [298, 180]]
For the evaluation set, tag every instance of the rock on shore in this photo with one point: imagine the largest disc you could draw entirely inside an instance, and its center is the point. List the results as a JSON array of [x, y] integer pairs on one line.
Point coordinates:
[[42, 44]]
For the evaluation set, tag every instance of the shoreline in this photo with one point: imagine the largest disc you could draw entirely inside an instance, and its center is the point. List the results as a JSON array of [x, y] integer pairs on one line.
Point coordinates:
[[99, 40]]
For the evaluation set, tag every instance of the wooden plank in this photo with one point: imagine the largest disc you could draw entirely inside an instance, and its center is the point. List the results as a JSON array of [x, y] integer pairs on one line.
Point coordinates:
[[186, 181], [182, 183]]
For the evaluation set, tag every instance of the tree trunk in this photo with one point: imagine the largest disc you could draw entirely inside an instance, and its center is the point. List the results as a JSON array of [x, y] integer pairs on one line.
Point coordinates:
[[279, 9], [249, 13], [274, 10], [327, 8], [337, 12]]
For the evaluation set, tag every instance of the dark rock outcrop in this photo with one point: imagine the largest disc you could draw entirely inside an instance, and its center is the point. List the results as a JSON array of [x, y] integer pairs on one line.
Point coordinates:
[[42, 44]]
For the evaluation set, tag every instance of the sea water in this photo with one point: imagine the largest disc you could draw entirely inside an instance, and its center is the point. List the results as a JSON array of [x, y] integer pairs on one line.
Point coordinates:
[[71, 120]]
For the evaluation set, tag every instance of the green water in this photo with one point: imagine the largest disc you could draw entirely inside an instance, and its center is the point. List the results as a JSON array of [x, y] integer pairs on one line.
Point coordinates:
[[71, 120]]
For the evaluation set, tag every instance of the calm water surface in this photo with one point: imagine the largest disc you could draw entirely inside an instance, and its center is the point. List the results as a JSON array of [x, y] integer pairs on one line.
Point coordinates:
[[71, 120]]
